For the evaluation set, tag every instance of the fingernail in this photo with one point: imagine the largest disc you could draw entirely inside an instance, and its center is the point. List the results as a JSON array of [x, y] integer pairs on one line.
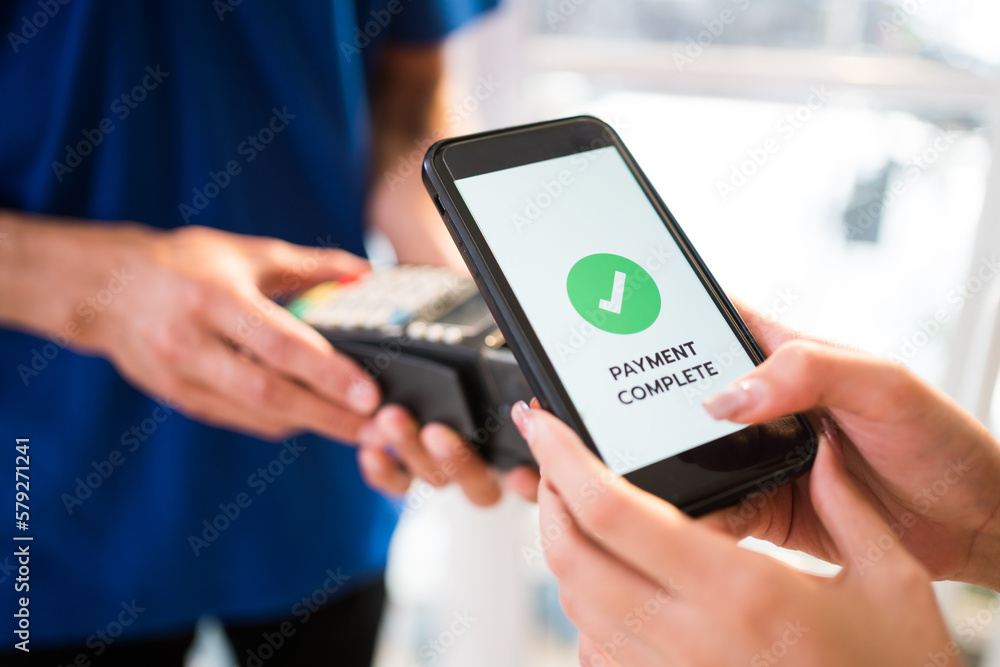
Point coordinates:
[[363, 395], [832, 433], [367, 434], [521, 414], [442, 447], [353, 277], [735, 398]]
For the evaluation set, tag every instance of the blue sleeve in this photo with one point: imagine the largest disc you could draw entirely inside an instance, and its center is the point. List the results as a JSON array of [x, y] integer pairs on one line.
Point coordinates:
[[417, 21]]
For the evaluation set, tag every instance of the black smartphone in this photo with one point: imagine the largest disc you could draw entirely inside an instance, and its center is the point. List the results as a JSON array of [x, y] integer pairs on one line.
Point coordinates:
[[618, 326]]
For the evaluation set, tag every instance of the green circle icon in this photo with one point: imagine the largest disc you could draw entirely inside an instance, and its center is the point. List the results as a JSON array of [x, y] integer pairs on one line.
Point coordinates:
[[613, 293]]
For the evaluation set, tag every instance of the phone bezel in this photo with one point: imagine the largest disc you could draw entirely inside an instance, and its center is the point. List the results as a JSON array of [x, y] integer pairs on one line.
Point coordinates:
[[452, 159]]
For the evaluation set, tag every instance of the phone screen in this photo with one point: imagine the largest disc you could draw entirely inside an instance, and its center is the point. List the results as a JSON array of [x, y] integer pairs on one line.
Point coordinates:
[[623, 317]]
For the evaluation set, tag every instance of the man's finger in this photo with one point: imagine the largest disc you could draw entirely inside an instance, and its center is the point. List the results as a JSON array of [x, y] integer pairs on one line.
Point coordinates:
[[278, 340], [287, 268], [382, 472], [399, 430], [461, 465], [523, 480], [206, 406], [258, 390]]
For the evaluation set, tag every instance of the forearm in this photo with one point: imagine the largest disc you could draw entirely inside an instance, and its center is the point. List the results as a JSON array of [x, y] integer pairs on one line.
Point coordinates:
[[50, 266], [407, 216], [408, 115]]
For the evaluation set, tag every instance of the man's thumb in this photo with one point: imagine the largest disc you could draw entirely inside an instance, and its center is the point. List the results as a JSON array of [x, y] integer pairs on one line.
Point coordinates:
[[294, 268]]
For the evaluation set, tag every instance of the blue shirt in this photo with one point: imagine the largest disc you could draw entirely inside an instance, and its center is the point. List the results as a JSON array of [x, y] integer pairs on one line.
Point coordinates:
[[247, 116]]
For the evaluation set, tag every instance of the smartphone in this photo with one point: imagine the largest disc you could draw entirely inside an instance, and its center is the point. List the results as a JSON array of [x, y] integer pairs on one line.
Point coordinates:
[[616, 322]]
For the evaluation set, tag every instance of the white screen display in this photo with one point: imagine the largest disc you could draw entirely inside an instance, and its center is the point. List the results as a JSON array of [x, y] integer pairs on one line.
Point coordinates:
[[635, 338]]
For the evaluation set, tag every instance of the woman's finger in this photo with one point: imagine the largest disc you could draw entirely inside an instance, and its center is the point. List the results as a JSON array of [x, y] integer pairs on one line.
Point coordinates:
[[617, 515], [802, 375]]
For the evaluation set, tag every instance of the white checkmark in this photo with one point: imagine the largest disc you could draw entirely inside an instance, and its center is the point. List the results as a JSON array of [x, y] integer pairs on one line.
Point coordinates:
[[615, 305]]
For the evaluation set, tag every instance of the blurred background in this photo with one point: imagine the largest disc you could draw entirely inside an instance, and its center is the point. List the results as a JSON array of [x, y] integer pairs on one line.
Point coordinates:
[[874, 221]]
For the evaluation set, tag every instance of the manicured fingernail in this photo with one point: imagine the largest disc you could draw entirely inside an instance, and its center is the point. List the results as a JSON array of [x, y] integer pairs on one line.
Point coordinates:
[[363, 395], [832, 433], [521, 414], [735, 398]]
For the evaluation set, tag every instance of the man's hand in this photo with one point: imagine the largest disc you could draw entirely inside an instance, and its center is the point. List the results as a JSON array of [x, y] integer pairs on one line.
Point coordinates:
[[408, 115], [395, 450], [647, 585], [192, 319], [931, 470]]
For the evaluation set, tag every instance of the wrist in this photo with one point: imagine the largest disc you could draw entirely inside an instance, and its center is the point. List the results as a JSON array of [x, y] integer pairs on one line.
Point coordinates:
[[54, 270]]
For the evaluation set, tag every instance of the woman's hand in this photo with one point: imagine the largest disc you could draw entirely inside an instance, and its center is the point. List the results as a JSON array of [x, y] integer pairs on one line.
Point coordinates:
[[928, 467], [646, 585]]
